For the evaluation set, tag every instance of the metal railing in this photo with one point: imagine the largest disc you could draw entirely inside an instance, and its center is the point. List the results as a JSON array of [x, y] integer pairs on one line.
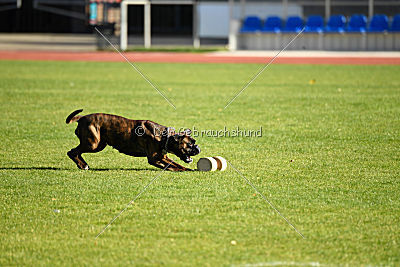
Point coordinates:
[[49, 6]]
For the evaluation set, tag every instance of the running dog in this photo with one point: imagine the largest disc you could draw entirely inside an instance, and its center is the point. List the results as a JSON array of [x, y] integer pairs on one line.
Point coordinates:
[[138, 138]]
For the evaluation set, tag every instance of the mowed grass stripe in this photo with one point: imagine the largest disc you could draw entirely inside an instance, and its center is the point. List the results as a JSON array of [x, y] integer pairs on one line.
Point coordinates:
[[328, 160]]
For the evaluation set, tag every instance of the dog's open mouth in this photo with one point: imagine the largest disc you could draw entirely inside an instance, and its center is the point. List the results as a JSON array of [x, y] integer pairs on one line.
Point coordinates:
[[192, 152]]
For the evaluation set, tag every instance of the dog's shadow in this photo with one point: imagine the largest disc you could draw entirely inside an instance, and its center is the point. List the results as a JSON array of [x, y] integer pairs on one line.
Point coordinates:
[[69, 169], [123, 169]]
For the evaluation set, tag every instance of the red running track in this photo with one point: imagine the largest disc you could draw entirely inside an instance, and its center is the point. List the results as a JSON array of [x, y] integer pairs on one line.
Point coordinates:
[[190, 58]]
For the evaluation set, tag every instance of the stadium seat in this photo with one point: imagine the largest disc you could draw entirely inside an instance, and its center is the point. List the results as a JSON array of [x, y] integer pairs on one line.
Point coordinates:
[[357, 23], [315, 24], [293, 24], [251, 24], [272, 24], [379, 23], [336, 24], [395, 24]]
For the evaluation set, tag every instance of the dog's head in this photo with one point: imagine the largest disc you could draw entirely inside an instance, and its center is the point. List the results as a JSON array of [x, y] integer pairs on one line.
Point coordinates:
[[183, 145]]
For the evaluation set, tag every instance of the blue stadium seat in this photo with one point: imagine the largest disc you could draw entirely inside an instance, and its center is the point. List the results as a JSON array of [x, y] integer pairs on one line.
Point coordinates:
[[315, 24], [379, 23], [357, 23], [336, 24], [293, 24], [272, 24], [251, 24], [395, 24]]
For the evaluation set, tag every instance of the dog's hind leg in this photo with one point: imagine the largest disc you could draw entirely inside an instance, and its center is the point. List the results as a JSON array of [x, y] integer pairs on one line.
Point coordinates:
[[76, 155], [89, 143]]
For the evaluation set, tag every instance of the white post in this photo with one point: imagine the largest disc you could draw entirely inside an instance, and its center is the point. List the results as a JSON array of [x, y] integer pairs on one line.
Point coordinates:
[[19, 3], [233, 37], [327, 9], [370, 8], [147, 25], [285, 8], [196, 39], [124, 26]]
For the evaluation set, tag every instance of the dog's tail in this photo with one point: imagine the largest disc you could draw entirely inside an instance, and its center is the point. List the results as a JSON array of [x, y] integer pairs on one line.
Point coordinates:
[[72, 117]]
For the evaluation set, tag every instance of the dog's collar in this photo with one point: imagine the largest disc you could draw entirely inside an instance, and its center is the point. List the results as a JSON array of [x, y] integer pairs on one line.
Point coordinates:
[[165, 146]]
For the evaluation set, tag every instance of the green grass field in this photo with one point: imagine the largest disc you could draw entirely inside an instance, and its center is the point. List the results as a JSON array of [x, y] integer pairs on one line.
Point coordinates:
[[328, 159]]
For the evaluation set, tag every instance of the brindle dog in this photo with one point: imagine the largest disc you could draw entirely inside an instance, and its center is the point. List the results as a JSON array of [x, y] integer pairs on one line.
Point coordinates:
[[138, 138]]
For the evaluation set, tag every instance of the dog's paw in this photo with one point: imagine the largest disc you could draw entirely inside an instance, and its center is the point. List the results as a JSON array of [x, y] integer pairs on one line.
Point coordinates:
[[86, 168]]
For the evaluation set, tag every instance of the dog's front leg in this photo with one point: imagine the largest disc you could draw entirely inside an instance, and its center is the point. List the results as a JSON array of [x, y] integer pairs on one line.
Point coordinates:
[[160, 163], [164, 162], [176, 165]]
